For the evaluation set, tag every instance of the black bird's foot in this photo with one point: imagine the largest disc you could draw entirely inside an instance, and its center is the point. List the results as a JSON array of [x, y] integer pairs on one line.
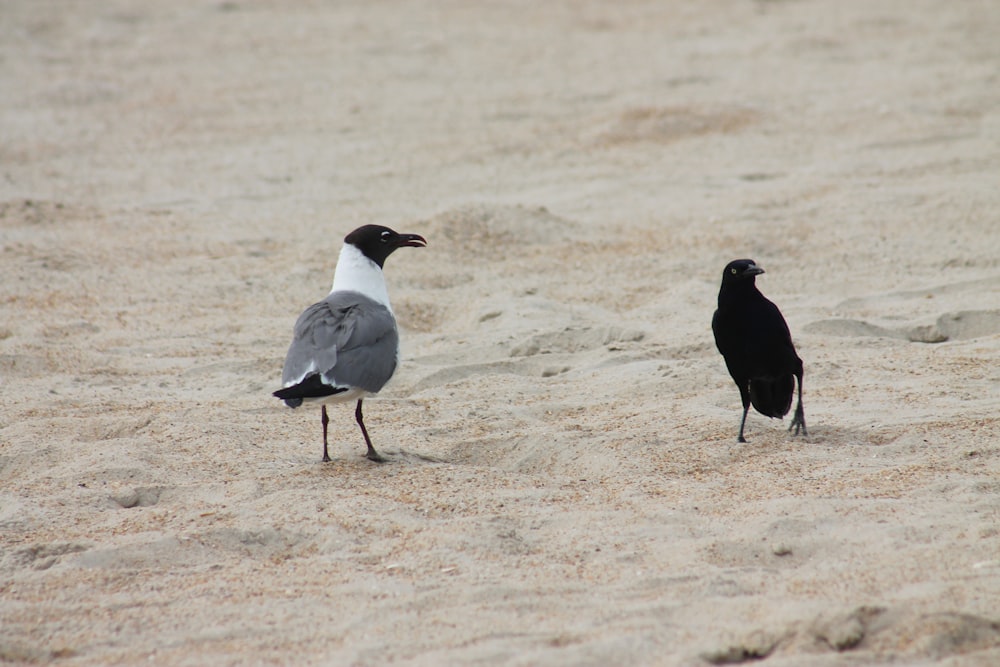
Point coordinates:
[[798, 422], [741, 439]]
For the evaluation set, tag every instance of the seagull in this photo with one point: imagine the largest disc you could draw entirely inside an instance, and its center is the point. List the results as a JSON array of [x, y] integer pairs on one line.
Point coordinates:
[[753, 338], [347, 346]]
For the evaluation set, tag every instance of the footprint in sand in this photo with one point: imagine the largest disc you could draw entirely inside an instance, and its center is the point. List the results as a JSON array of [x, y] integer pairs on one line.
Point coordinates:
[[663, 125], [961, 322], [575, 339], [960, 325], [42, 556], [485, 232], [145, 496]]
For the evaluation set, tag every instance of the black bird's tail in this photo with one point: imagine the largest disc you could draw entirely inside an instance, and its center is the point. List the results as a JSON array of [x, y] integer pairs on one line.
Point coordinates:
[[772, 397]]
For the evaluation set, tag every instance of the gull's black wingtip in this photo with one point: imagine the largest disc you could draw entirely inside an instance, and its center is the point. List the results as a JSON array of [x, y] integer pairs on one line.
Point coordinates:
[[288, 396], [312, 387]]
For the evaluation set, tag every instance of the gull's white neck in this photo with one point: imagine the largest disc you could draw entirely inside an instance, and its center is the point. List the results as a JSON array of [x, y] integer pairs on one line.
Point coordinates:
[[357, 273]]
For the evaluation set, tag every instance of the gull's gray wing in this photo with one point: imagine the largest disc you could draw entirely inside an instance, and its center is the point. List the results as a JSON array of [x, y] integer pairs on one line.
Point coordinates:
[[348, 339]]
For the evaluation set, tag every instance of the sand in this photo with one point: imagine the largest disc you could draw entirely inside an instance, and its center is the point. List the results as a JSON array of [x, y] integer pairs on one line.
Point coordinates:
[[565, 486]]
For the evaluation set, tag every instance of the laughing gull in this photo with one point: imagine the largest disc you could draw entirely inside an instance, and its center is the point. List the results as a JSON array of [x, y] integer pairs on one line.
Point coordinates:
[[753, 338], [347, 345]]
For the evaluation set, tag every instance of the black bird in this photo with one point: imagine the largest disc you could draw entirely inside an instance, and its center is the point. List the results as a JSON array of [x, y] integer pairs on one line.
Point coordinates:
[[347, 346], [754, 339]]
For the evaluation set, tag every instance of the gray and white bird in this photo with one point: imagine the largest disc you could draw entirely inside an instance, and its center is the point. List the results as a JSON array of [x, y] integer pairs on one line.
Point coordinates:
[[347, 346]]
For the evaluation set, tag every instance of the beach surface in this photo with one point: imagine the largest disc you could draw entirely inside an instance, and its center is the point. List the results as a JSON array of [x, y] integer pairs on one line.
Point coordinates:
[[565, 486]]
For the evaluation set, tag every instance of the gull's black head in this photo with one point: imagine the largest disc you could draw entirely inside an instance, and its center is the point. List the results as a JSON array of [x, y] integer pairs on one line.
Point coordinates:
[[740, 271], [377, 242]]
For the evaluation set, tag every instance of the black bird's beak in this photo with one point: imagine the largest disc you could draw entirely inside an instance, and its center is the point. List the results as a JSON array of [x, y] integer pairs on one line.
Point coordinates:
[[410, 241], [753, 271]]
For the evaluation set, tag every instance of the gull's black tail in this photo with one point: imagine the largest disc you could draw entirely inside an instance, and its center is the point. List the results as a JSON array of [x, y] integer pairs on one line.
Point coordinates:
[[312, 387]]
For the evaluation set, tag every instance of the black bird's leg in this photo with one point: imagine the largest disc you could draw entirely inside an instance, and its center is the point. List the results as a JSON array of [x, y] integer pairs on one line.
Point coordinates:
[[745, 395], [799, 420], [742, 424], [372, 454], [326, 421]]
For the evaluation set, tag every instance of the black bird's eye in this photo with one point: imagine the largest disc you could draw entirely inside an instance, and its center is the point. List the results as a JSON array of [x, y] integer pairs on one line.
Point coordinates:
[[385, 236], [733, 270]]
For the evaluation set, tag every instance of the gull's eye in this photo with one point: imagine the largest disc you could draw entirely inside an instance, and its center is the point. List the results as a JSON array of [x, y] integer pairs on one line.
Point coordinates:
[[385, 236]]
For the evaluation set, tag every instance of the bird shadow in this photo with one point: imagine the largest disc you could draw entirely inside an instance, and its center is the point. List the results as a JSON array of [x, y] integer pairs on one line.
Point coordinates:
[[405, 456], [832, 435], [822, 435]]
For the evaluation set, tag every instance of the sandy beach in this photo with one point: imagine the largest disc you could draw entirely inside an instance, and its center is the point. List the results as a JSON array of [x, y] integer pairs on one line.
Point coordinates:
[[565, 485]]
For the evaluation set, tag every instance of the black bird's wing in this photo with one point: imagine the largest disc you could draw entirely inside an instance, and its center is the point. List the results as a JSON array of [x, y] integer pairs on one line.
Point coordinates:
[[753, 338]]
